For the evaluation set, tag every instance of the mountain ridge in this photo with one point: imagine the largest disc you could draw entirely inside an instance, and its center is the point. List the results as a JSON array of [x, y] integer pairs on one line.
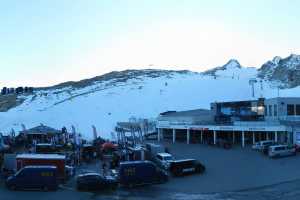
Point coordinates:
[[265, 71]]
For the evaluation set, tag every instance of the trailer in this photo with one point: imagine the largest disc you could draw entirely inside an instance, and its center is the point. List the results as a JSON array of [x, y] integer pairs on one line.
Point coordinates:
[[43, 159]]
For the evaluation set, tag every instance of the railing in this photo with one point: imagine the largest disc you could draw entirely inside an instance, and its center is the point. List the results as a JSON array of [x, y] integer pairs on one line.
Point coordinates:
[[167, 123], [289, 118], [253, 123], [184, 123]]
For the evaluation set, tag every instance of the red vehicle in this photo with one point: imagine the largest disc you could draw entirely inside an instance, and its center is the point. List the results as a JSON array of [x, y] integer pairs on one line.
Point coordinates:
[[43, 159], [108, 147]]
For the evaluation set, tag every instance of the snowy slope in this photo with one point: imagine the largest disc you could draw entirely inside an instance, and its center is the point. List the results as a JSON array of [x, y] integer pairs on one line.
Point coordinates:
[[103, 103]]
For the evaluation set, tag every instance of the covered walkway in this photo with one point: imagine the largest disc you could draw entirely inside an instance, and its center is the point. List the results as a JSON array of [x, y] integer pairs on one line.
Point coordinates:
[[233, 134]]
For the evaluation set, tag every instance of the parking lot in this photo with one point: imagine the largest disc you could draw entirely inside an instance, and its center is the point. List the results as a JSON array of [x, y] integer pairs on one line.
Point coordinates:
[[232, 170]]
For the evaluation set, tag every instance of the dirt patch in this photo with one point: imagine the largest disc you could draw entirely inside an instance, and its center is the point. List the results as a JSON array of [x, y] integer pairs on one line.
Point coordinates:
[[116, 77], [9, 101]]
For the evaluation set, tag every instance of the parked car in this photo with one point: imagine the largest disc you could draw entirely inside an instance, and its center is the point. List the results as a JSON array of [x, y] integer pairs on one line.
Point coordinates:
[[154, 149], [135, 173], [95, 181], [262, 145], [265, 148], [163, 160], [186, 166], [281, 151], [34, 177]]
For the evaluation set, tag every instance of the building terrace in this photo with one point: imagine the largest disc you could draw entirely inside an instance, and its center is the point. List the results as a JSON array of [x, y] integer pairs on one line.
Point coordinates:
[[244, 122]]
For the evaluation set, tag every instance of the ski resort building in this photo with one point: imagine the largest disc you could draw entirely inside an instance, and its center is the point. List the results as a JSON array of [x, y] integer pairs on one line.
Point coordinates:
[[42, 134], [243, 122]]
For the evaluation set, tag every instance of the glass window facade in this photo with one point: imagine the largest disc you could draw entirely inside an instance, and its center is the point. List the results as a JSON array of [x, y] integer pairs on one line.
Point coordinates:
[[297, 109], [290, 109], [275, 110]]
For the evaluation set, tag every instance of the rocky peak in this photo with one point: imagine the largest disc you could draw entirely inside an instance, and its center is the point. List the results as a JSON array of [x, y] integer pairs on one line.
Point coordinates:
[[276, 60], [284, 70], [294, 56], [292, 61], [231, 64]]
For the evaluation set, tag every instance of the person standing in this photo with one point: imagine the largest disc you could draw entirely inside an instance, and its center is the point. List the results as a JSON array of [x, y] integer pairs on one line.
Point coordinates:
[[104, 168]]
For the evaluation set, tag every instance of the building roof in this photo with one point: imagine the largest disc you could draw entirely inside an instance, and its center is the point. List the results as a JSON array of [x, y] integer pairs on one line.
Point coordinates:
[[44, 144], [198, 116], [41, 129], [284, 98], [41, 156], [41, 166], [89, 174], [188, 113]]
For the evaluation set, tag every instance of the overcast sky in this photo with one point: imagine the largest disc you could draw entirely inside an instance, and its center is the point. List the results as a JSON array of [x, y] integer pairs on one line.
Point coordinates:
[[44, 42]]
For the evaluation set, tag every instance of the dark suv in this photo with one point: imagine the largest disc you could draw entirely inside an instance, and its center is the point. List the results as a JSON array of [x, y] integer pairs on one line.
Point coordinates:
[[95, 181], [186, 166]]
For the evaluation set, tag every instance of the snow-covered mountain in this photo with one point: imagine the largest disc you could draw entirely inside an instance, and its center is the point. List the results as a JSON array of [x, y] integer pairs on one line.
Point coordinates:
[[286, 71], [232, 65], [104, 100]]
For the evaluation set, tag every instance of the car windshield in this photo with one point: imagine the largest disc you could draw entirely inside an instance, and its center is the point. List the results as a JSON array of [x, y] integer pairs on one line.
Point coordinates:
[[266, 143], [168, 158], [19, 173]]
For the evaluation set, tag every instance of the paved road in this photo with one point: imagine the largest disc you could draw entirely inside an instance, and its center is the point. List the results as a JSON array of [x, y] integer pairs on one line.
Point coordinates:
[[288, 190]]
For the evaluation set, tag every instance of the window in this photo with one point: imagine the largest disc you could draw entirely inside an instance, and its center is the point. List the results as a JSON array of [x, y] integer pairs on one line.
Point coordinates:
[[279, 148], [266, 110], [297, 109], [275, 110], [290, 109], [270, 110], [20, 174]]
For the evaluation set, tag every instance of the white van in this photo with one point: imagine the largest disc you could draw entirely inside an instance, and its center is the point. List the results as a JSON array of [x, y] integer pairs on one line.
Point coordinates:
[[164, 160], [262, 144], [281, 150]]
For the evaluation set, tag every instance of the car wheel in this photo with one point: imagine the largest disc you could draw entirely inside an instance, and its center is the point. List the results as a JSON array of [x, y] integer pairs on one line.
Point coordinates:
[[179, 173], [202, 169]]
